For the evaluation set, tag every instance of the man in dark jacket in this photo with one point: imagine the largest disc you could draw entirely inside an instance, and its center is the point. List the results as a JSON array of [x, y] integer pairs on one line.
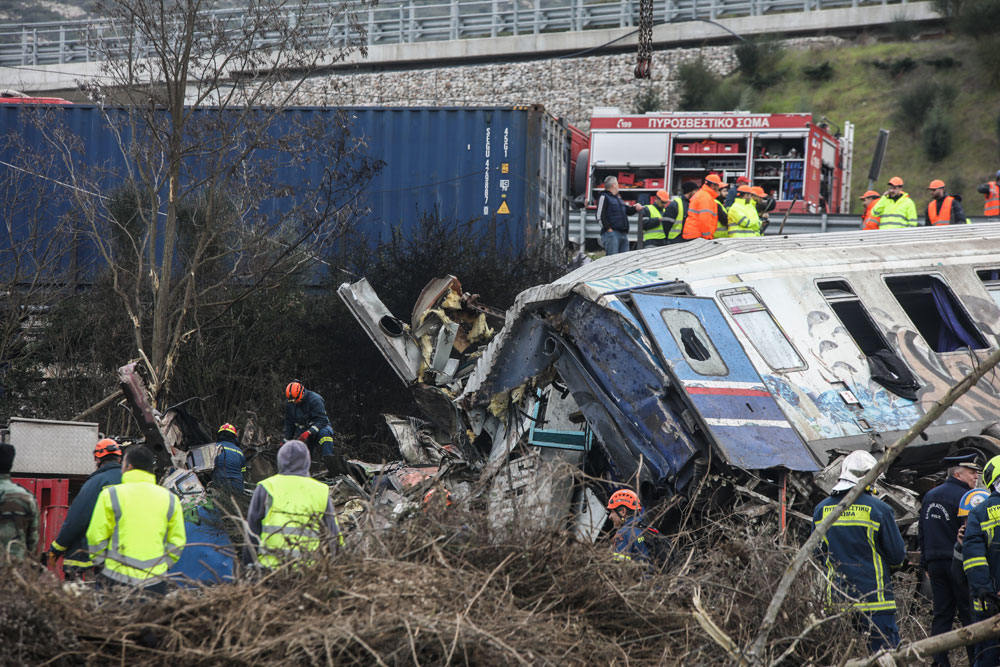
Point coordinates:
[[613, 214], [230, 463], [71, 542], [651, 220], [938, 531], [18, 513], [991, 190], [290, 513], [981, 560], [859, 550], [305, 419], [943, 209]]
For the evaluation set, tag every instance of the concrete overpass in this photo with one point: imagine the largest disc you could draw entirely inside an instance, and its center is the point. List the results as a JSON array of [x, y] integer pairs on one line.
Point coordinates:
[[41, 65]]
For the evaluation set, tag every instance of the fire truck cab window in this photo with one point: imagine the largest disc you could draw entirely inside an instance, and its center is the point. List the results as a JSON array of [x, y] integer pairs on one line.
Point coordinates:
[[693, 341], [757, 323], [936, 313]]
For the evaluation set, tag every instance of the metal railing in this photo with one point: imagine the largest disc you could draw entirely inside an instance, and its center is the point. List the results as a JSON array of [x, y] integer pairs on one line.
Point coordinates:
[[395, 22]]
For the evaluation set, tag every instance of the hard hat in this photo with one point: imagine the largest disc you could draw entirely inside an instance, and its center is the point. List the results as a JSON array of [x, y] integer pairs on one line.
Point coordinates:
[[663, 194], [971, 499], [991, 472], [713, 178], [228, 428], [745, 189], [757, 190], [107, 447], [624, 497], [855, 466], [294, 391], [870, 193], [895, 180], [935, 184], [742, 179]]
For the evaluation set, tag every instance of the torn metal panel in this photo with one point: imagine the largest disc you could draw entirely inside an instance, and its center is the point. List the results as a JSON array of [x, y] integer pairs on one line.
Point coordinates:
[[431, 295], [590, 515], [534, 491], [389, 334], [405, 430], [553, 425]]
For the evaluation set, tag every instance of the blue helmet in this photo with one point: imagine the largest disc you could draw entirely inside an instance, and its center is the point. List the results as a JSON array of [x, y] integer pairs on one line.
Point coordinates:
[[971, 499]]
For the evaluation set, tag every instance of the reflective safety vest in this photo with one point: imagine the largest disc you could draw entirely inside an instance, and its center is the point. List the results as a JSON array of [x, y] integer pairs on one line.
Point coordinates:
[[655, 232], [743, 219], [137, 529], [940, 213], [899, 214], [292, 527], [870, 221], [992, 200], [722, 228], [678, 226]]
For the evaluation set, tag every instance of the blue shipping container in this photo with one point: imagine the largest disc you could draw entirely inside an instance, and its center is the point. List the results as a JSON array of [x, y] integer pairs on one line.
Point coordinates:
[[502, 170]]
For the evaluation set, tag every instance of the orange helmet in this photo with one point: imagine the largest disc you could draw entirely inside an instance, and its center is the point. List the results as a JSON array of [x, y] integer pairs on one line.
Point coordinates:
[[229, 428], [895, 180], [870, 193], [935, 184], [713, 178], [624, 497], [107, 447], [294, 391]]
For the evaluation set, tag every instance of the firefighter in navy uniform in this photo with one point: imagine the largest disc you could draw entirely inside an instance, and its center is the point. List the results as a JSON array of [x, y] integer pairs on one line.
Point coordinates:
[[230, 462], [635, 541], [938, 532], [859, 550], [71, 542], [306, 420], [981, 560]]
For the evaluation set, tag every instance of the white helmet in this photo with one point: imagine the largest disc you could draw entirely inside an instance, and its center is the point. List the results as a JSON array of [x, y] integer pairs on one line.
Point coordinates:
[[855, 466]]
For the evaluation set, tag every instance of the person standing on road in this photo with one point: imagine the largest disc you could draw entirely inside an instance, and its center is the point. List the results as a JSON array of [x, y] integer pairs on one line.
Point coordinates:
[[306, 420], [703, 216], [137, 530], [991, 191], [71, 542], [943, 209], [291, 514], [858, 551], [938, 532], [895, 209], [743, 219], [869, 220], [722, 212], [612, 214], [677, 211], [734, 191], [18, 513], [651, 219]]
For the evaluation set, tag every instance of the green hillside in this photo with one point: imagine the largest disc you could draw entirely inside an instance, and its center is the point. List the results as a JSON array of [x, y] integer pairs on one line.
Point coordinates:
[[864, 92]]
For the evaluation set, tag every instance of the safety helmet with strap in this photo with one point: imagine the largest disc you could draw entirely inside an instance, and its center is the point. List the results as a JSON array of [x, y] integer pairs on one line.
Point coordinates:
[[971, 499], [624, 497], [294, 391], [991, 472], [107, 447]]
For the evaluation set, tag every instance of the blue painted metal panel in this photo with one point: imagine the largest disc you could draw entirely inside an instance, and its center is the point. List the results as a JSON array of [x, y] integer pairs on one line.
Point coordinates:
[[487, 168], [209, 556], [733, 403]]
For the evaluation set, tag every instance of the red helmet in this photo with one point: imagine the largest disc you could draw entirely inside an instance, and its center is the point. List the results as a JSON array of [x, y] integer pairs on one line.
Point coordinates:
[[107, 447], [294, 391], [228, 428], [624, 497]]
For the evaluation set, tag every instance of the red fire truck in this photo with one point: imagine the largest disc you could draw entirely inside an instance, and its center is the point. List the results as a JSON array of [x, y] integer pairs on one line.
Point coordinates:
[[795, 159]]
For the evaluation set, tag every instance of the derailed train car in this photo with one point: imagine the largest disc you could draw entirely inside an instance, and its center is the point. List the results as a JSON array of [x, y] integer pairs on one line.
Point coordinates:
[[754, 356]]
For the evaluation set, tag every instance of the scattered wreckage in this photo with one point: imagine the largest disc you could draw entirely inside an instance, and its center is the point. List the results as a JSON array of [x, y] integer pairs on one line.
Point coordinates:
[[744, 367]]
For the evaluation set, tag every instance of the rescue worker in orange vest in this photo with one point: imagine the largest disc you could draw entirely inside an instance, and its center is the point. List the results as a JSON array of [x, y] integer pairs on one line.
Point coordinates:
[[703, 216], [869, 220], [991, 191], [944, 209]]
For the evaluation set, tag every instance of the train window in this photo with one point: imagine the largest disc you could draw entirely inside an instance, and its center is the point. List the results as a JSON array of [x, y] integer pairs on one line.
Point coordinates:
[[991, 281], [936, 313], [693, 341], [756, 322], [885, 366]]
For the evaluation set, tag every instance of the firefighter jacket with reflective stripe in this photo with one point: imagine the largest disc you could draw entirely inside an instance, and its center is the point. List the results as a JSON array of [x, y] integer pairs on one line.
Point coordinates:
[[678, 209], [992, 193], [858, 552], [722, 226], [137, 530], [309, 414], [743, 219], [293, 525], [980, 551], [702, 219], [72, 537], [18, 520], [939, 522], [900, 213], [630, 541], [652, 212], [230, 464], [870, 220]]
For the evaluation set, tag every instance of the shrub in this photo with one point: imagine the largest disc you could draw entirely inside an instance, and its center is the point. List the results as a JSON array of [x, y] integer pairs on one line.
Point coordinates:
[[947, 8], [697, 84], [821, 72], [648, 99], [943, 62], [896, 67], [759, 60], [987, 51], [937, 133], [978, 18], [901, 27], [913, 104]]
